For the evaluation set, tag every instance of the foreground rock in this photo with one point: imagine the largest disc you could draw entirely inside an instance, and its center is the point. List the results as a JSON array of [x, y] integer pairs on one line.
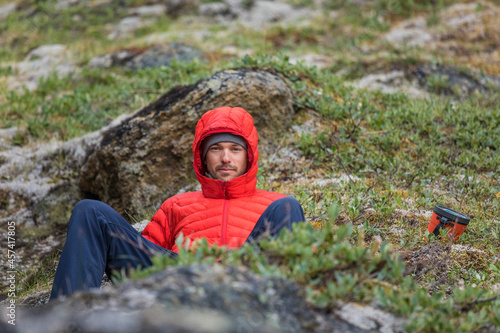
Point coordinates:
[[201, 298], [148, 157]]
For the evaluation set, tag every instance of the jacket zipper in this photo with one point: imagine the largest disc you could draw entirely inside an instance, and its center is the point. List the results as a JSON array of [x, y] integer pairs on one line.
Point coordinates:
[[224, 216]]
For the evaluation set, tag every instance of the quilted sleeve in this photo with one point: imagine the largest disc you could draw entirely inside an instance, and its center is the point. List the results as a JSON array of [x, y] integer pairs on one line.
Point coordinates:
[[159, 230]]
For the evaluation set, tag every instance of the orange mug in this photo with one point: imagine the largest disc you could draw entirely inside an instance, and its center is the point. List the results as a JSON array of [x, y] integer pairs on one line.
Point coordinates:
[[444, 217]]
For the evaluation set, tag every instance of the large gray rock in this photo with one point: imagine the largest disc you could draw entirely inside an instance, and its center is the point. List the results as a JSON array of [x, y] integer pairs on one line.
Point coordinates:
[[64, 4], [215, 8], [410, 33], [7, 136], [153, 10], [177, 8], [39, 64], [116, 59], [263, 12], [195, 298], [200, 298], [254, 14], [37, 191], [453, 81], [422, 80], [390, 83], [155, 56], [148, 157], [128, 26], [6, 10], [163, 55], [36, 176]]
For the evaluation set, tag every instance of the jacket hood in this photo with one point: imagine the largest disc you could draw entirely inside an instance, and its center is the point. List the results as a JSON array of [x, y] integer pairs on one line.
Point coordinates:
[[236, 121]]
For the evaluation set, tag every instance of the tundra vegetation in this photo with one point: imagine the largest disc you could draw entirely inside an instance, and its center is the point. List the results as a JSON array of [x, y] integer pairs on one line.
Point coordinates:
[[368, 175]]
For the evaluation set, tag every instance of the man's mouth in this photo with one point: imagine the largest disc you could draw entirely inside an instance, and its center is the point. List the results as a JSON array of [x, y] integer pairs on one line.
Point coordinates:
[[225, 169]]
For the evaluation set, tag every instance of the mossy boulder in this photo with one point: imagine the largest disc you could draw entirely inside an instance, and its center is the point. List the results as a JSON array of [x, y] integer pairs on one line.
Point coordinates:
[[148, 158]]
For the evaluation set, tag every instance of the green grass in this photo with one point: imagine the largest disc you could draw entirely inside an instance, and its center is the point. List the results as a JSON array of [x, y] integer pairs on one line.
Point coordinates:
[[38, 279], [409, 154]]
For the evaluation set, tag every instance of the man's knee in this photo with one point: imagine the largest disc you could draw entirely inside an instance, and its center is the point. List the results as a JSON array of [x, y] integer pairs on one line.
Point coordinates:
[[85, 211], [287, 208], [86, 204], [287, 202], [288, 205]]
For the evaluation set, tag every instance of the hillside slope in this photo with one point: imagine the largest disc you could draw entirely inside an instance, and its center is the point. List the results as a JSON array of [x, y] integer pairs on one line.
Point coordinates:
[[395, 110]]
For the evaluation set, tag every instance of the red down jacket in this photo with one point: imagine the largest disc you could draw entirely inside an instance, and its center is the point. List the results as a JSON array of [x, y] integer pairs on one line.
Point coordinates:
[[222, 212]]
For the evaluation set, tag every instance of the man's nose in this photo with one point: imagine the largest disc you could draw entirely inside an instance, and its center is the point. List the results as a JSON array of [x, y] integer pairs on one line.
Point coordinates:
[[225, 158]]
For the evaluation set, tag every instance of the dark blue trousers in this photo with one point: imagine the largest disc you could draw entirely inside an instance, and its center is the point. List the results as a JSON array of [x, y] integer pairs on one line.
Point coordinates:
[[100, 240]]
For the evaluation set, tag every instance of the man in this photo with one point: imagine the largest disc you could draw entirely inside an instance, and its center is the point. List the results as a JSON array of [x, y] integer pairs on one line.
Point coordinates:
[[228, 211]]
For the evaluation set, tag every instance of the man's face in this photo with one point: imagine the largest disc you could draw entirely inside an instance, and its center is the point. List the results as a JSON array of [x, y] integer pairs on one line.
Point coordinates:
[[226, 160]]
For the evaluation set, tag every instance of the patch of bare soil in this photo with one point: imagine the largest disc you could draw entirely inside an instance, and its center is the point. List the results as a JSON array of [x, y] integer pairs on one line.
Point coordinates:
[[438, 259], [434, 258]]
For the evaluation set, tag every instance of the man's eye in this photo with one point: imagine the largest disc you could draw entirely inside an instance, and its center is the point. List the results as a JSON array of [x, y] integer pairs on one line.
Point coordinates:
[[214, 148]]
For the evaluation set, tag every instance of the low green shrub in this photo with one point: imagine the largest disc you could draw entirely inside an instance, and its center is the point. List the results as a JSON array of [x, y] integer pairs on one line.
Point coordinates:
[[334, 264]]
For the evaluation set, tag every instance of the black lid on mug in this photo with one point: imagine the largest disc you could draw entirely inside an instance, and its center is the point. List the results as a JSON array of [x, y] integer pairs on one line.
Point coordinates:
[[451, 214]]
